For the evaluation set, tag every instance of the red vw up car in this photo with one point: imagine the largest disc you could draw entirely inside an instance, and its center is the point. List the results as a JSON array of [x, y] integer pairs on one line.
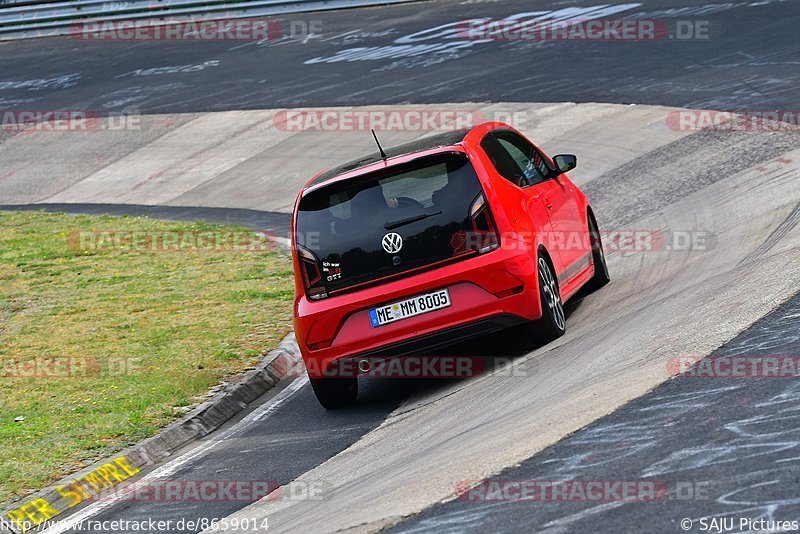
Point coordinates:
[[450, 236]]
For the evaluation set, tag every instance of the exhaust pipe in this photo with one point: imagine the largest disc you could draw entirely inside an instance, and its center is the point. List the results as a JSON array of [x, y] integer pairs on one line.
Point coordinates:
[[364, 366]]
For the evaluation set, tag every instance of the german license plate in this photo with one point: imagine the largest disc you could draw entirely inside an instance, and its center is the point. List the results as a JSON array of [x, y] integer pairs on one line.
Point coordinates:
[[409, 308]]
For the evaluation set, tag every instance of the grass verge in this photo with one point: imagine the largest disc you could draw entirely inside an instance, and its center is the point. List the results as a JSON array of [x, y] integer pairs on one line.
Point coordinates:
[[101, 347]]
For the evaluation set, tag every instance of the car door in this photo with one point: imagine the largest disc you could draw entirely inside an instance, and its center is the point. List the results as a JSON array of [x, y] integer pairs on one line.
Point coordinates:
[[510, 163], [545, 184]]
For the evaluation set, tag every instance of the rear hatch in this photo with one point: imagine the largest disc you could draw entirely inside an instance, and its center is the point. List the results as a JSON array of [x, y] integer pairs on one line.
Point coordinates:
[[382, 225]]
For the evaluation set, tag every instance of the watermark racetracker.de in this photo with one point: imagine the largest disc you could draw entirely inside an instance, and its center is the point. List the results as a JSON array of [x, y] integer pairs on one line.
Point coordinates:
[[256, 29], [429, 119], [67, 367], [732, 367], [597, 491], [66, 120], [207, 241], [578, 30], [733, 121]]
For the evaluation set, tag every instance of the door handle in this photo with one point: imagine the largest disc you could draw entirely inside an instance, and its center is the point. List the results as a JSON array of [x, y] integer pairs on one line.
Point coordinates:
[[547, 203]]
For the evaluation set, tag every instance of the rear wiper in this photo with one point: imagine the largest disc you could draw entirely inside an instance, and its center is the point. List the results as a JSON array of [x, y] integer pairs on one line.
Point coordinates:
[[409, 220]]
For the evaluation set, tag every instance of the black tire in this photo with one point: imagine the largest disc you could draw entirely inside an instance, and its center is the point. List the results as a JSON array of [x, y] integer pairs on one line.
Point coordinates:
[[334, 393], [552, 324], [600, 277]]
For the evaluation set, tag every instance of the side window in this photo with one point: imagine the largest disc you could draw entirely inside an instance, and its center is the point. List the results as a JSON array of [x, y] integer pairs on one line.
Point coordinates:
[[502, 161], [534, 167]]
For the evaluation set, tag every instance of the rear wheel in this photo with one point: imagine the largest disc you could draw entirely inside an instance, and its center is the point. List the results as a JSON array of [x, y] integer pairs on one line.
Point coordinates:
[[600, 277], [333, 393], [552, 324]]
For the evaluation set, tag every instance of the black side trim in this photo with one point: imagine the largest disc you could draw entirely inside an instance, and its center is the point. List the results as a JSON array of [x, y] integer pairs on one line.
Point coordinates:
[[575, 268]]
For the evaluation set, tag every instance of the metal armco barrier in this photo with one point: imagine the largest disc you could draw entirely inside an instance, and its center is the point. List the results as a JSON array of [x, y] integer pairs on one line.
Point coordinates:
[[21, 19]]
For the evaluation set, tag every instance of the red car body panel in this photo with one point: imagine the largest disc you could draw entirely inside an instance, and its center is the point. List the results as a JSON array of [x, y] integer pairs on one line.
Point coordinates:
[[489, 290]]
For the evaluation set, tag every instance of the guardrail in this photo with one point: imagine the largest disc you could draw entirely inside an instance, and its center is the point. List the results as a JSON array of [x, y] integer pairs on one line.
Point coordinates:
[[20, 19]]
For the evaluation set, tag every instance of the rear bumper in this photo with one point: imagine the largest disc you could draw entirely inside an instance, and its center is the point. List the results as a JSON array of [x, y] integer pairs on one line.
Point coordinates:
[[444, 337], [488, 293]]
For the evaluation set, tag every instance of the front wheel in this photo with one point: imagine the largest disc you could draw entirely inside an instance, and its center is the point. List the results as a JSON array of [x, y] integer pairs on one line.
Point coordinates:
[[334, 393], [552, 324]]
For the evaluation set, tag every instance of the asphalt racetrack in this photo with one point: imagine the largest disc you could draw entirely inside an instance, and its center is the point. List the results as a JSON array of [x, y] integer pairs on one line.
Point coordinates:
[[745, 57], [597, 404]]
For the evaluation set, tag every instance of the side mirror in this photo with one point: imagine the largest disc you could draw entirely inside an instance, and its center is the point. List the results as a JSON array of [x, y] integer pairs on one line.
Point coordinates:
[[565, 162]]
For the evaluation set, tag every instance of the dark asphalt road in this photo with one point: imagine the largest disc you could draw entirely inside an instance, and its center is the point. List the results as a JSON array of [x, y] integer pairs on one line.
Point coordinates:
[[292, 439], [278, 448], [364, 56], [724, 447]]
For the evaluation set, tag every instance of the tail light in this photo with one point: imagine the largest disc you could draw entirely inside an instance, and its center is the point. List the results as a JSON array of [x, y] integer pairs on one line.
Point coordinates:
[[484, 232], [312, 276]]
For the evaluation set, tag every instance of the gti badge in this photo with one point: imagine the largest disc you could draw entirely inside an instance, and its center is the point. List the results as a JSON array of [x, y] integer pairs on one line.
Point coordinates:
[[392, 243]]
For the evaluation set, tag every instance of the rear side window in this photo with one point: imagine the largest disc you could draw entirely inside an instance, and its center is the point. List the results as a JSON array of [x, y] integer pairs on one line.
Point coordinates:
[[515, 159], [425, 202], [502, 161]]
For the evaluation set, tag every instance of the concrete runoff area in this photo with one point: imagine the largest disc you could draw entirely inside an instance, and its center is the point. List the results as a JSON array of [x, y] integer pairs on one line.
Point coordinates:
[[727, 254], [247, 160]]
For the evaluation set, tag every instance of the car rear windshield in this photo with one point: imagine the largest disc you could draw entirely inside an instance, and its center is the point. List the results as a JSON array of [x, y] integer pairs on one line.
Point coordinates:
[[386, 223]]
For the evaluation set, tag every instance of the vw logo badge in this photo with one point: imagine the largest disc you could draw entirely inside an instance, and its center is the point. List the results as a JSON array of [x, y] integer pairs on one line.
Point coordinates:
[[392, 243]]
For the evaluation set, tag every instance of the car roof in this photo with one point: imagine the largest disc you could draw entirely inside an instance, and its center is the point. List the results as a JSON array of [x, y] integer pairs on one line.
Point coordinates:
[[443, 139]]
